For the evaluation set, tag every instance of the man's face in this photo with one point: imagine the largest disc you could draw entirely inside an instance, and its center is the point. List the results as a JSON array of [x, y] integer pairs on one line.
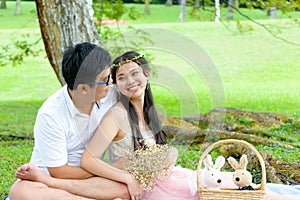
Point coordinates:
[[100, 91], [94, 91]]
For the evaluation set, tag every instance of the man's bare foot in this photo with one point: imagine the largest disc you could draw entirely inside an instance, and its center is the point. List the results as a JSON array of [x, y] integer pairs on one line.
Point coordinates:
[[30, 172]]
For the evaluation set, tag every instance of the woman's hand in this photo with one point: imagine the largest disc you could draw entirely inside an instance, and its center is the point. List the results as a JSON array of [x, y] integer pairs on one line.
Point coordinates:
[[173, 155], [135, 191]]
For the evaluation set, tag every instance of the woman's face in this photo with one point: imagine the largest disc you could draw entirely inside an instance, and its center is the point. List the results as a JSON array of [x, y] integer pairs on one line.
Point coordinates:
[[131, 80]]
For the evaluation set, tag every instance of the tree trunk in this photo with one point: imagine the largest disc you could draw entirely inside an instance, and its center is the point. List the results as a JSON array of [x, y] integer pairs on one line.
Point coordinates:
[[197, 4], [232, 5], [273, 12], [218, 12], [169, 3], [230, 10], [147, 8], [182, 11], [3, 4], [62, 24], [18, 7], [89, 4]]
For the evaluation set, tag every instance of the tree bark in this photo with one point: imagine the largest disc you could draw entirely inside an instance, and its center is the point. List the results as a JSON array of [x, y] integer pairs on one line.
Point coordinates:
[[169, 3], [232, 5], [182, 11], [18, 7], [273, 12], [62, 24], [218, 11], [230, 10], [147, 7], [3, 4], [197, 5]]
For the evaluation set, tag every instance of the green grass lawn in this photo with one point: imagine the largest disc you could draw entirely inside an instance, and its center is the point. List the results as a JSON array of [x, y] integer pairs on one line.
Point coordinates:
[[27, 20], [258, 72]]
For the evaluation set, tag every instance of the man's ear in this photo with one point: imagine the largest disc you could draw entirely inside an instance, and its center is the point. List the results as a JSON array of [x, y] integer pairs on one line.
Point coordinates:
[[82, 88]]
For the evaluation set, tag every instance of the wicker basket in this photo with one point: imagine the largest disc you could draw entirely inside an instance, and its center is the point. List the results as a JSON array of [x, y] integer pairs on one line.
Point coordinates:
[[224, 194]]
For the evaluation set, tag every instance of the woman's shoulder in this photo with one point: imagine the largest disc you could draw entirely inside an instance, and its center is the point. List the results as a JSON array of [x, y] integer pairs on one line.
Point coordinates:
[[119, 111], [118, 108], [119, 115]]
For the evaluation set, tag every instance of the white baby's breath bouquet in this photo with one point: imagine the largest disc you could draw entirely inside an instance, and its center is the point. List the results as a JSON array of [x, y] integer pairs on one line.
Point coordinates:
[[147, 164]]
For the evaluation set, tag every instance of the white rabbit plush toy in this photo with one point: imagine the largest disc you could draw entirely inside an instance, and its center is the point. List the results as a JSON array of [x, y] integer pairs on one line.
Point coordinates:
[[212, 174]]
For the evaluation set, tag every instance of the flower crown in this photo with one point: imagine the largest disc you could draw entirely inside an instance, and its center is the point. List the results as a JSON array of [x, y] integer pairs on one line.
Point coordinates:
[[127, 61]]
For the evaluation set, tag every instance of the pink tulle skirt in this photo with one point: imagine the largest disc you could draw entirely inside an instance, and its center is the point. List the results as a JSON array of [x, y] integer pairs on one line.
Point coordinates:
[[181, 185], [175, 187]]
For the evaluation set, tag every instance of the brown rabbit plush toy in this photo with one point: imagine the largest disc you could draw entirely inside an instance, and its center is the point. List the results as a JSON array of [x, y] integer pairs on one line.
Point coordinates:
[[241, 177]]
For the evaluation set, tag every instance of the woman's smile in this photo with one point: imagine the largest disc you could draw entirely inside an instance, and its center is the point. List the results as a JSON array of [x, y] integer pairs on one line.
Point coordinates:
[[131, 80], [133, 88]]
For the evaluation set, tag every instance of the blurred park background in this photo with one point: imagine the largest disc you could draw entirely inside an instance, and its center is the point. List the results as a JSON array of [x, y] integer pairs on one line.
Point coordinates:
[[254, 47]]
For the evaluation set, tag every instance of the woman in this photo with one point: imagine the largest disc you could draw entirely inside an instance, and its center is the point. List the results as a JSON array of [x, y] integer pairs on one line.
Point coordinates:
[[133, 123]]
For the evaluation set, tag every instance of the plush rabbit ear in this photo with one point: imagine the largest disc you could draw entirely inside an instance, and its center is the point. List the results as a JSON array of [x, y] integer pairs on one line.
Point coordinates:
[[208, 161], [234, 164], [244, 162], [220, 161]]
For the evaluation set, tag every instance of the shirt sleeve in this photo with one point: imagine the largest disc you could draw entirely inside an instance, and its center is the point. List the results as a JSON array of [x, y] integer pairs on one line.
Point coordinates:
[[50, 140]]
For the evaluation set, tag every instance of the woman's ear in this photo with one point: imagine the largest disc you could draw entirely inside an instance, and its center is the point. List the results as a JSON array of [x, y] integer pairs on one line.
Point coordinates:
[[148, 74]]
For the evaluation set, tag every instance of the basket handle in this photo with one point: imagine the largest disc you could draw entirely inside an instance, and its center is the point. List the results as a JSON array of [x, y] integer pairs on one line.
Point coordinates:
[[242, 142]]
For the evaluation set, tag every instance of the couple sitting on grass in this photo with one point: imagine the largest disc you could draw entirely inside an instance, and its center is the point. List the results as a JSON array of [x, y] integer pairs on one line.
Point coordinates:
[[87, 116]]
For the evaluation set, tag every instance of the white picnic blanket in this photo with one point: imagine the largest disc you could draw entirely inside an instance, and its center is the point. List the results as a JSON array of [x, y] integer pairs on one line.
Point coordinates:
[[289, 190]]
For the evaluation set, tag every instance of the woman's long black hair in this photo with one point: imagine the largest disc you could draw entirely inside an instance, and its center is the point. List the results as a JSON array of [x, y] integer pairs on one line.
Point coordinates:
[[150, 114]]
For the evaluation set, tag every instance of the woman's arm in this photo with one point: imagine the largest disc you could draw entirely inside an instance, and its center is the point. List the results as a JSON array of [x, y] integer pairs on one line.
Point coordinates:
[[69, 172], [104, 135], [120, 163]]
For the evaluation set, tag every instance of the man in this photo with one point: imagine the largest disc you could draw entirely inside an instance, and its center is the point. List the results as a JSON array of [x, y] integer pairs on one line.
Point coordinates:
[[64, 125]]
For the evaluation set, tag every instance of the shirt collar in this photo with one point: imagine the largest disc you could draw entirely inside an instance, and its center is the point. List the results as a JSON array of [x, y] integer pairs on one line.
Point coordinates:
[[72, 108]]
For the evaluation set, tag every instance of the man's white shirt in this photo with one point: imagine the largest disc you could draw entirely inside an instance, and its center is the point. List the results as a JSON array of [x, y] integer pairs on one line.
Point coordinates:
[[62, 133]]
